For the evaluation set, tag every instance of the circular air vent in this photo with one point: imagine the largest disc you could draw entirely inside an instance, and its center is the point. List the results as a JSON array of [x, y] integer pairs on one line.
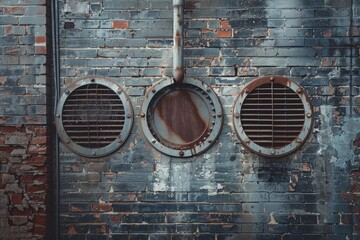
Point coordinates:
[[94, 117], [181, 120], [272, 116]]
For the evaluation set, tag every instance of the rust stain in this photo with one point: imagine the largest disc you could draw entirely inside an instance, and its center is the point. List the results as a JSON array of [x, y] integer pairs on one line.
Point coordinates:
[[181, 116]]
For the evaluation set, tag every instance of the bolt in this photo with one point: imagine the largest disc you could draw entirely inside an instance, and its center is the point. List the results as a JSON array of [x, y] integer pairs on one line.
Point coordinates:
[[308, 115], [181, 153], [142, 115], [272, 79], [299, 91]]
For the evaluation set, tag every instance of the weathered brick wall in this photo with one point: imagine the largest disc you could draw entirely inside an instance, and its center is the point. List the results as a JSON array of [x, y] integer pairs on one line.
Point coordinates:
[[228, 192], [23, 120]]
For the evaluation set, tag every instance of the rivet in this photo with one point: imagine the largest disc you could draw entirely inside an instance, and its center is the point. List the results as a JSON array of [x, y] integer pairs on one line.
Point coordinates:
[[247, 141], [94, 153], [181, 153], [272, 79], [119, 90], [93, 80], [299, 90], [57, 115], [67, 140], [210, 141], [219, 115], [272, 152], [142, 115], [128, 116], [308, 115], [298, 140], [237, 115], [153, 90], [247, 91], [208, 90], [67, 92], [153, 141]]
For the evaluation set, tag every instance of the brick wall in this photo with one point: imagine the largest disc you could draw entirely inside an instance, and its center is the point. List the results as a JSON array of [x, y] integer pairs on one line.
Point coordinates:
[[23, 121], [228, 192]]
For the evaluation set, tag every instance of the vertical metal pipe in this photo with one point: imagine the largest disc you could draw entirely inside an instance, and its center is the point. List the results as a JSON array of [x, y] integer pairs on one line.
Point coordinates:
[[55, 234], [178, 48]]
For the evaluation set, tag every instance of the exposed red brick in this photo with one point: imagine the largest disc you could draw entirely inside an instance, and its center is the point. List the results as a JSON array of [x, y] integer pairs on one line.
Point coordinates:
[[225, 23], [39, 230], [16, 198], [115, 218], [7, 129], [35, 188], [39, 140], [36, 161], [14, 10], [23, 212], [40, 39], [101, 207], [120, 24], [40, 219], [71, 230], [224, 33]]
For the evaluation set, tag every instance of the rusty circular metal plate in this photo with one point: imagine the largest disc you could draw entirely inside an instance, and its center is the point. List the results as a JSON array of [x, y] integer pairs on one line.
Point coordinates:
[[94, 117], [273, 116], [181, 120]]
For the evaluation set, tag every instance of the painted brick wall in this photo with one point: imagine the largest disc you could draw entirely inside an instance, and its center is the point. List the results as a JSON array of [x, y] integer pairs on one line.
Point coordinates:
[[228, 192], [23, 121]]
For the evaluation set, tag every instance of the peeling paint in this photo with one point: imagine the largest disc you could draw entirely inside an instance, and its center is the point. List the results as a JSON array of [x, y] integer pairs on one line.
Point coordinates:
[[336, 142]]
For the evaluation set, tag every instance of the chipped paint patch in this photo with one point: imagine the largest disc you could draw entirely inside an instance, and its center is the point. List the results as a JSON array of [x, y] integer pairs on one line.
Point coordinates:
[[337, 141]]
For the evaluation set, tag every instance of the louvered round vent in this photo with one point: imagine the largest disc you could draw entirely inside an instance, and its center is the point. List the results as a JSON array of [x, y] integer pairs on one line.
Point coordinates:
[[94, 117], [273, 116], [181, 120]]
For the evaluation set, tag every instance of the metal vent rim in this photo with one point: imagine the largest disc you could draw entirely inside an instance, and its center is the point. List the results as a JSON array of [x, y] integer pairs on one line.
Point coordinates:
[[297, 142], [187, 152], [126, 128]]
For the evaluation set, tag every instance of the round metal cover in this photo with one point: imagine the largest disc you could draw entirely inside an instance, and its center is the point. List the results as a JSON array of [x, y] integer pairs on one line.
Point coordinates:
[[181, 120], [272, 116], [94, 117]]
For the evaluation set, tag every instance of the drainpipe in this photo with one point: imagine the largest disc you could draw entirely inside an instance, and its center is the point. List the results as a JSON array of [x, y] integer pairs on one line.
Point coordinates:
[[54, 229], [178, 48]]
